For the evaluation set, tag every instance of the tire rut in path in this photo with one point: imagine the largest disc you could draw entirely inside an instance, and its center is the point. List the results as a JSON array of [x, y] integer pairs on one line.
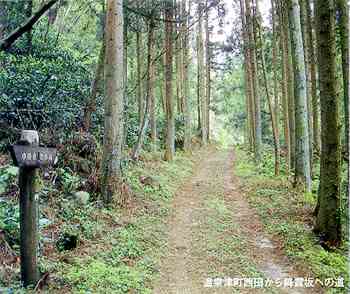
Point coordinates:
[[178, 271]]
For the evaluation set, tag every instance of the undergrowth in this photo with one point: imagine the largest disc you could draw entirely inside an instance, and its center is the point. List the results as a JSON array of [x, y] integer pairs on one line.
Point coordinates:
[[287, 214], [92, 249]]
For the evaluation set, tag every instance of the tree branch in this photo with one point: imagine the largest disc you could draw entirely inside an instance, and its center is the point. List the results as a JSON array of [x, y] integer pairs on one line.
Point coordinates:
[[7, 42]]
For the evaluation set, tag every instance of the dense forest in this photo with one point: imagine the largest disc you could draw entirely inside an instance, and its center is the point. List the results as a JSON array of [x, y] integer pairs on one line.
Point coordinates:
[[174, 146]]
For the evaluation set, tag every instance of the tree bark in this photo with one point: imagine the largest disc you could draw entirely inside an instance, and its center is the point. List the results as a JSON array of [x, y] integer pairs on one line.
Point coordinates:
[[343, 12], [141, 102], [185, 76], [313, 81], [152, 98], [269, 99], [328, 223], [306, 45], [201, 77], [255, 82], [125, 77], [114, 108], [288, 83], [275, 86], [247, 78], [207, 68], [91, 103], [178, 62], [149, 91], [302, 146], [170, 122]]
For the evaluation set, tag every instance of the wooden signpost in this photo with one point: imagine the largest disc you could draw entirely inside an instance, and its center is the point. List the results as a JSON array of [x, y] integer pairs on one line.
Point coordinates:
[[28, 156]]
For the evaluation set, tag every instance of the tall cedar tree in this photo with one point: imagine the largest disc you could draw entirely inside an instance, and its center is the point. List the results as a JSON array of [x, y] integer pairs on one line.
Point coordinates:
[[114, 108], [327, 211], [302, 143], [170, 121], [255, 82]]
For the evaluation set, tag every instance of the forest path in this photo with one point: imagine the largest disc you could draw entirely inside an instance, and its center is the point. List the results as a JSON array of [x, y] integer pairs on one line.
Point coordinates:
[[212, 232]]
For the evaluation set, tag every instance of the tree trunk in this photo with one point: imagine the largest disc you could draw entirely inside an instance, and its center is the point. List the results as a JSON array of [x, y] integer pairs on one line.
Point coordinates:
[[275, 85], [152, 98], [114, 108], [149, 91], [185, 76], [328, 223], [207, 68], [247, 78], [289, 82], [170, 122], [255, 82], [285, 89], [343, 12], [302, 147], [201, 77], [91, 103], [269, 99], [178, 61], [125, 76], [313, 81], [140, 100], [306, 46]]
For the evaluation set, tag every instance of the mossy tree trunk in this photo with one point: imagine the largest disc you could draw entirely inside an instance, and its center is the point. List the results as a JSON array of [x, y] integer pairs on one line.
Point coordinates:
[[343, 12], [328, 219]]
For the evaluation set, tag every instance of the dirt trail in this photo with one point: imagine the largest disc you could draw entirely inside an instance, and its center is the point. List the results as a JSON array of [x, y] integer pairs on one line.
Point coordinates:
[[190, 260]]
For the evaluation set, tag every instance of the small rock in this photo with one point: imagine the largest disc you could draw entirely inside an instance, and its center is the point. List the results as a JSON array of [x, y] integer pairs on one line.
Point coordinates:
[[149, 181], [82, 197]]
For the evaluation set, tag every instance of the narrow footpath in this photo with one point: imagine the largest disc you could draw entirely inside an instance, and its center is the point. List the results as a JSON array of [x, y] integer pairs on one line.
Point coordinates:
[[216, 242]]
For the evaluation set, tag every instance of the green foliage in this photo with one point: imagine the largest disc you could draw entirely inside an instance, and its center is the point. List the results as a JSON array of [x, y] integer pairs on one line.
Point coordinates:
[[49, 86], [69, 181], [99, 277], [8, 174], [286, 213], [9, 221], [118, 255]]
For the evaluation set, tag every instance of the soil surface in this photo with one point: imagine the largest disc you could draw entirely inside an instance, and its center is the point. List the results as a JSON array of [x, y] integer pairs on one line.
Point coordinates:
[[193, 260]]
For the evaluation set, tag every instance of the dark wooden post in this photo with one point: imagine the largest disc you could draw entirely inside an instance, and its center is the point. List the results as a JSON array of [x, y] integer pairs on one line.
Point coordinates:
[[28, 156], [29, 216]]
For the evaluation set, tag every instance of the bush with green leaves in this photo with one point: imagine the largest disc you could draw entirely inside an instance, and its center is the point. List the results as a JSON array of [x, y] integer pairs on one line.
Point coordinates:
[[45, 89], [8, 174], [9, 221]]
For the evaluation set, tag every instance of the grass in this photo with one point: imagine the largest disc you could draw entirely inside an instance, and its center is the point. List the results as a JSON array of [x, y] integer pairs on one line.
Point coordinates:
[[118, 249], [287, 214]]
